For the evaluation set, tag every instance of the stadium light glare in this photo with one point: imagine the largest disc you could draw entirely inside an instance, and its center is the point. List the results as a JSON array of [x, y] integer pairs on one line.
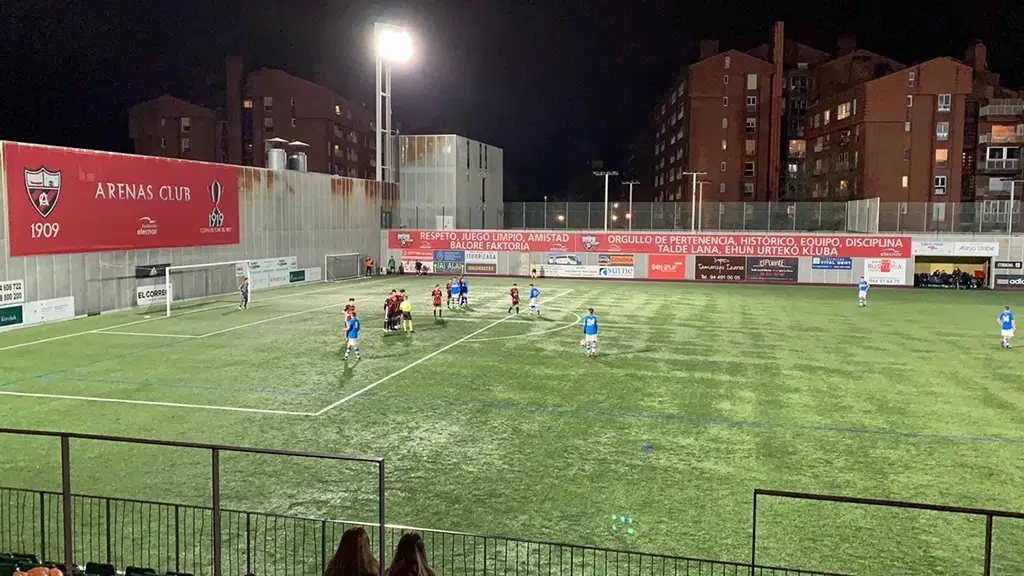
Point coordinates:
[[394, 44]]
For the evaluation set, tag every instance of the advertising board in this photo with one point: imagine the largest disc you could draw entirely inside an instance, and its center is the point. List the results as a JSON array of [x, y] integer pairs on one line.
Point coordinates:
[[65, 201], [473, 257], [473, 268], [831, 263], [984, 249], [151, 295], [885, 271], [12, 292], [721, 268], [449, 267], [1008, 265], [268, 265], [615, 259], [52, 310], [616, 272], [562, 259], [773, 269], [666, 267], [151, 270], [1009, 281], [449, 256], [561, 271]]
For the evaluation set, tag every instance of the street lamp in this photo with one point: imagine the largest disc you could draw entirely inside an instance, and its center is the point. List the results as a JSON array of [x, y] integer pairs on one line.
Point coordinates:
[[391, 44], [606, 174], [693, 199]]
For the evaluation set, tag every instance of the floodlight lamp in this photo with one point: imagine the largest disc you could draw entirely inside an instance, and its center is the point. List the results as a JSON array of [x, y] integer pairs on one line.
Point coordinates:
[[561, 217], [614, 217], [394, 44], [628, 216]]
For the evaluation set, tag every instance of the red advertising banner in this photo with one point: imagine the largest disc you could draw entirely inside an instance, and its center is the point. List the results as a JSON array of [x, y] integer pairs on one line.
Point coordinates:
[[482, 241], [62, 200], [666, 267]]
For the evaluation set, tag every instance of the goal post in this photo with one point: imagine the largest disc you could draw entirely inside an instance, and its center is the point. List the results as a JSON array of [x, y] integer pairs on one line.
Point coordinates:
[[342, 267], [205, 284]]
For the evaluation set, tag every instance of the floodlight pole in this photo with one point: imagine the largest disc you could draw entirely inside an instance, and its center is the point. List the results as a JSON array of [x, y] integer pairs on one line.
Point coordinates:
[[693, 200], [700, 204], [1009, 211], [606, 174], [629, 217], [380, 87]]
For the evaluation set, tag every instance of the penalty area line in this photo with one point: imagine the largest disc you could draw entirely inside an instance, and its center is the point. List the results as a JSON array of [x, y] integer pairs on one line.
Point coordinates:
[[154, 403], [415, 363]]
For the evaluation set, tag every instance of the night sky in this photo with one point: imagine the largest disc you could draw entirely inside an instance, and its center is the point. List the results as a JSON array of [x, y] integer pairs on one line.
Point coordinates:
[[553, 83]]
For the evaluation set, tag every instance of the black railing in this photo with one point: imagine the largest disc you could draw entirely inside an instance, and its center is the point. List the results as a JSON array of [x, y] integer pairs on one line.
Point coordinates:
[[177, 537]]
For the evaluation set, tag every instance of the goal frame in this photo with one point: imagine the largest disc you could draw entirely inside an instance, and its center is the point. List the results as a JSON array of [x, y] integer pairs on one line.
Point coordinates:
[[169, 285], [327, 259]]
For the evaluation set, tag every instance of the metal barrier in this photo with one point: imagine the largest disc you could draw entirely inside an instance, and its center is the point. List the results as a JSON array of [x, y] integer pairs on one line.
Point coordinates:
[[68, 527], [177, 537]]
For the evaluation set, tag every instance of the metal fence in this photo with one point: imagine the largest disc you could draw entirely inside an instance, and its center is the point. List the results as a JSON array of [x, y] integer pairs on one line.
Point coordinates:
[[993, 217], [178, 537]]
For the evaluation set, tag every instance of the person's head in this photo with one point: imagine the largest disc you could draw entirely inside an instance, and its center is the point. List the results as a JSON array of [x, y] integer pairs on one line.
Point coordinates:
[[591, 310], [514, 285], [531, 285], [392, 291], [1006, 308], [410, 557], [351, 300], [862, 278], [402, 292], [354, 556], [436, 286], [352, 314]]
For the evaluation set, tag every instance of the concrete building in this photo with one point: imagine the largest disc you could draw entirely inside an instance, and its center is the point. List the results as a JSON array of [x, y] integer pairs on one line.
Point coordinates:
[[260, 105], [879, 129], [449, 182]]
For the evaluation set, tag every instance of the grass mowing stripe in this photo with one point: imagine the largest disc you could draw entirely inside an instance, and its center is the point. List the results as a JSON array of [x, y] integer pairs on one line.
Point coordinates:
[[151, 403], [284, 392]]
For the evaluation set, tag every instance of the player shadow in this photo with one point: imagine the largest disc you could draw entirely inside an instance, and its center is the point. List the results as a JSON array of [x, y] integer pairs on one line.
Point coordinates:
[[348, 370], [441, 322], [626, 352]]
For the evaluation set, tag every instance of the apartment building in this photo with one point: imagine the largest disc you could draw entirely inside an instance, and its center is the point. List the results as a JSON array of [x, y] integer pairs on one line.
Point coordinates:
[[880, 129], [261, 105], [715, 120]]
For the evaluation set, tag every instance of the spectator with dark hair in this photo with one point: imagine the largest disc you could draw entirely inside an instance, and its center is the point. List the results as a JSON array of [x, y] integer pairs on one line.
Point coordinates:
[[354, 556], [410, 557]]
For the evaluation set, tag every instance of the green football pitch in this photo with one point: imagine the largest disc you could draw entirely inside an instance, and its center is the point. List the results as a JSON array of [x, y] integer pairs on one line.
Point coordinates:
[[499, 425]]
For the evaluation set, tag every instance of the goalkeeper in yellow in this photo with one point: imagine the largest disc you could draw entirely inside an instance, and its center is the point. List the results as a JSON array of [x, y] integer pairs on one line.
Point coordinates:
[[406, 308]]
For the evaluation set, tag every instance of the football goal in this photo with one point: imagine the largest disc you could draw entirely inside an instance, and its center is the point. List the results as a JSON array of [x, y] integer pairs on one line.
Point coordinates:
[[342, 267], [205, 285]]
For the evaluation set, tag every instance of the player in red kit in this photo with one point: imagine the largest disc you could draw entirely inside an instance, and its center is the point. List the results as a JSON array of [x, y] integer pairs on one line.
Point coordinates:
[[350, 309], [435, 297], [448, 290], [514, 293]]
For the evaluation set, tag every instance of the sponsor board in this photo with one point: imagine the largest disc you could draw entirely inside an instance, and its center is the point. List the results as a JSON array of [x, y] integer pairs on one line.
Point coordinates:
[[562, 271], [666, 267], [831, 263], [482, 258], [886, 271], [11, 316], [616, 272], [151, 270], [773, 269], [52, 310], [151, 295], [763, 245], [12, 292], [449, 256], [561, 259], [268, 265], [63, 201], [296, 276], [277, 278], [314, 274], [955, 248], [1006, 265], [933, 248], [1010, 281], [615, 259], [720, 268], [414, 255], [474, 268], [449, 267]]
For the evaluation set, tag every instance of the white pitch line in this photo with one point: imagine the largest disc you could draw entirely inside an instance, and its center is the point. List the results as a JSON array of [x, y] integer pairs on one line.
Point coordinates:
[[421, 360], [150, 403], [126, 324], [575, 322], [101, 331]]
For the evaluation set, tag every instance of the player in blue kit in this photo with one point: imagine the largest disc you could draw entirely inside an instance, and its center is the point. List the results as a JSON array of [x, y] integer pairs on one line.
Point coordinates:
[[590, 334], [464, 291], [533, 294], [456, 291], [862, 292], [1008, 324], [352, 334]]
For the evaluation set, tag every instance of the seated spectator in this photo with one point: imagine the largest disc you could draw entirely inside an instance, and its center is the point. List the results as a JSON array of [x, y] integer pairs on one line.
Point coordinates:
[[354, 556], [410, 557]]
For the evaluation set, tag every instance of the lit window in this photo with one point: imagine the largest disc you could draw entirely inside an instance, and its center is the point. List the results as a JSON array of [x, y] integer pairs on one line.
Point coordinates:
[[942, 130], [906, 126], [247, 103], [945, 102], [817, 120], [725, 144], [941, 157], [828, 114], [843, 111], [910, 100], [337, 110], [751, 81], [748, 147], [906, 181]]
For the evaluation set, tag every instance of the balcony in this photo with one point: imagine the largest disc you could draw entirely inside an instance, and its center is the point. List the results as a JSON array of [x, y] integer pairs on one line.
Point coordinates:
[[1016, 137], [1003, 107], [1005, 165]]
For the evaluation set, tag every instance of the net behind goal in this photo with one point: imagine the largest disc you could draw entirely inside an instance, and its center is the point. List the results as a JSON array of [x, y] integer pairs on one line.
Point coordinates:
[[342, 267], [195, 286]]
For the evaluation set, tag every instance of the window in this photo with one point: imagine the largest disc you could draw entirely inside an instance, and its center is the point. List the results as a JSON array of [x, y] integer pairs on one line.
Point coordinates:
[[291, 102], [186, 124], [797, 148], [906, 153], [827, 114], [939, 211], [751, 125], [856, 133], [911, 79], [337, 110], [672, 140], [751, 103], [748, 188], [723, 166], [844, 186], [163, 120], [906, 181], [819, 143], [725, 122], [268, 123], [843, 111], [725, 79], [748, 169], [247, 103], [725, 100], [910, 100], [672, 100], [294, 123], [751, 81], [945, 102], [844, 138], [853, 108], [801, 65], [186, 145], [671, 176], [942, 131], [817, 120], [268, 103], [682, 88], [721, 188], [855, 158], [728, 61], [725, 144], [793, 167], [163, 142], [906, 126], [749, 147], [940, 185], [941, 157]]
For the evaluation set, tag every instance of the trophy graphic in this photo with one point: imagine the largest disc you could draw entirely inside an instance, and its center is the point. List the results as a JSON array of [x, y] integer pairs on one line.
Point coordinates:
[[216, 216]]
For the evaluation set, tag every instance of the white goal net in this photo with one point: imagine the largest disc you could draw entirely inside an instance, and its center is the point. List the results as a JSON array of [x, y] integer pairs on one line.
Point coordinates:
[[342, 267], [202, 285]]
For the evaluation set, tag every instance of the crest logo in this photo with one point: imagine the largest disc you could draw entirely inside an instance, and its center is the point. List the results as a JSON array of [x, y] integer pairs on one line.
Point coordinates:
[[404, 239], [589, 241], [43, 189], [216, 216]]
